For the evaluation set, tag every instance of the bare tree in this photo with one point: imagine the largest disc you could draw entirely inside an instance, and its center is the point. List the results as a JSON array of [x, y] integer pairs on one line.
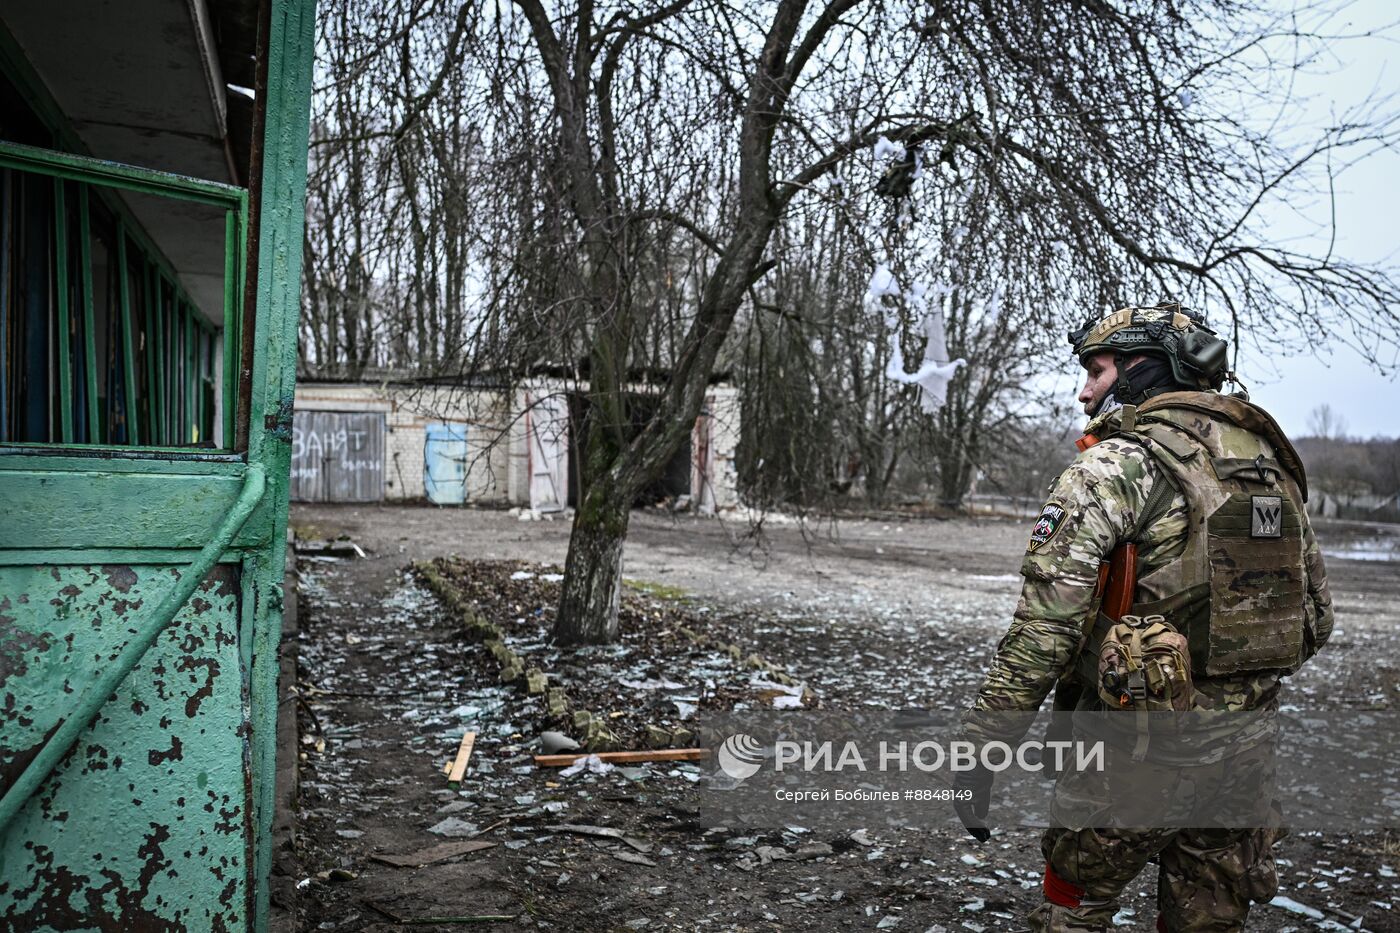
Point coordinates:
[[1326, 423], [611, 188]]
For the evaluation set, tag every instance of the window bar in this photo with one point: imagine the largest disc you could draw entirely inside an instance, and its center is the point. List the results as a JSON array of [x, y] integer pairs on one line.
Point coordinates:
[[162, 360], [232, 266], [6, 206], [206, 398], [191, 421], [177, 367], [174, 397], [133, 430], [89, 335], [65, 365], [148, 315], [200, 336], [177, 364]]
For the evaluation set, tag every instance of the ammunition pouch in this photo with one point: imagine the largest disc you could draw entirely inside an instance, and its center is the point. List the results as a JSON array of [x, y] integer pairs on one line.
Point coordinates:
[[1144, 664], [1139, 664]]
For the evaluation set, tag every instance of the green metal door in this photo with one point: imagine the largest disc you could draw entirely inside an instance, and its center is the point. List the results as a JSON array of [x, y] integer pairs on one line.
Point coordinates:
[[140, 586]]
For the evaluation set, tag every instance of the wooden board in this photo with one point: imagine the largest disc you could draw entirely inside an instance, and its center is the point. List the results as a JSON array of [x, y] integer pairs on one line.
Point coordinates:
[[660, 754], [464, 752], [437, 853]]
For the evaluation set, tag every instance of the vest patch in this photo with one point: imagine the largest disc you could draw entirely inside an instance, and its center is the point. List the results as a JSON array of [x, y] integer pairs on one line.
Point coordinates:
[[1049, 522], [1266, 517]]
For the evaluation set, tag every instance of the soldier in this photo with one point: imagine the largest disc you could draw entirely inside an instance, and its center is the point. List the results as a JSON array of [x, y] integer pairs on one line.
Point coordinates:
[[1210, 494]]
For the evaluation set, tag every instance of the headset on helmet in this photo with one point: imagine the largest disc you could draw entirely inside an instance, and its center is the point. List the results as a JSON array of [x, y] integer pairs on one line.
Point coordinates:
[[1197, 357]]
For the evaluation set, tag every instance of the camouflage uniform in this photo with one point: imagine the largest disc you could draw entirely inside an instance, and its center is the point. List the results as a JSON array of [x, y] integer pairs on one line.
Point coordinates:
[[1206, 877]]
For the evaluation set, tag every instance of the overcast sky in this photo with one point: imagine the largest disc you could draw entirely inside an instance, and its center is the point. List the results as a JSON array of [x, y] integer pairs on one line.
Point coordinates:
[[1368, 229]]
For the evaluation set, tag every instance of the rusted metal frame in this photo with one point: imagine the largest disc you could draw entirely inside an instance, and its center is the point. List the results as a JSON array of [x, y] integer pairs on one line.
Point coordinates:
[[95, 418], [62, 557], [117, 175], [155, 507], [82, 458], [95, 697], [133, 430], [170, 452], [162, 422], [65, 364]]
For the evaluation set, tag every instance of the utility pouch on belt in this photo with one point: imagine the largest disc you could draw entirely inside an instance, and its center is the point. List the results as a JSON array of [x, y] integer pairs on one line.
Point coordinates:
[[1145, 664]]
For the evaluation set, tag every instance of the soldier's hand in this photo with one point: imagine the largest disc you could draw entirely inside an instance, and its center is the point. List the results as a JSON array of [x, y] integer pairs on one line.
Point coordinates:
[[975, 784]]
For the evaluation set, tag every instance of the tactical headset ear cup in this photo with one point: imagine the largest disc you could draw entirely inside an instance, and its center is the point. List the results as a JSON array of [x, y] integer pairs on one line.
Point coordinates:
[[1203, 353]]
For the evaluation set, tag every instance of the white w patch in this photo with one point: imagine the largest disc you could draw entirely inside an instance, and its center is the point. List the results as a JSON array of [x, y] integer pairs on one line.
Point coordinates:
[[1266, 516]]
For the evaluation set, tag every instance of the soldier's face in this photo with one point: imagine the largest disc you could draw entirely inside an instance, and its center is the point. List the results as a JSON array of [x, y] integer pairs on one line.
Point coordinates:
[[1100, 374]]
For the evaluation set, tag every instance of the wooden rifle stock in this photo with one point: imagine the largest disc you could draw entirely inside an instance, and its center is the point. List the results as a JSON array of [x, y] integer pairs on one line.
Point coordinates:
[[1118, 581]]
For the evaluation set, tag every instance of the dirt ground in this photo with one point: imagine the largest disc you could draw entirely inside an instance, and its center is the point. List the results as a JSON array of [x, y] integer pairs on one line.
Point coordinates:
[[878, 613]]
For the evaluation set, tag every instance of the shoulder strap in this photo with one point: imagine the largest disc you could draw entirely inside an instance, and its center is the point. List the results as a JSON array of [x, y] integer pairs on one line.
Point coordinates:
[[1245, 414], [1158, 500]]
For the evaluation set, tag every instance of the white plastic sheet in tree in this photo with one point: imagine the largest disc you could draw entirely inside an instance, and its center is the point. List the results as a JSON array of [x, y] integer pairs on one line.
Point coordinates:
[[935, 369]]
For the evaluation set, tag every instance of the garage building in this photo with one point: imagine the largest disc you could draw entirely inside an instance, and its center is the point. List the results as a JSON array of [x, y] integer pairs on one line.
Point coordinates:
[[389, 437]]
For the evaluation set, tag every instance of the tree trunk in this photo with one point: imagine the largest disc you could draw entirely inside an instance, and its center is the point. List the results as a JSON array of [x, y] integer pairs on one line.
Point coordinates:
[[592, 586]]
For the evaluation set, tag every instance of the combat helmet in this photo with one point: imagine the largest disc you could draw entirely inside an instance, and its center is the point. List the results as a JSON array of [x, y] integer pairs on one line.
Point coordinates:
[[1179, 336]]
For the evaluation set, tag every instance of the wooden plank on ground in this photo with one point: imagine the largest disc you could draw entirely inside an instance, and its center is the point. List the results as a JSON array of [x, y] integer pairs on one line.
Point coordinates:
[[437, 853], [659, 754], [464, 752]]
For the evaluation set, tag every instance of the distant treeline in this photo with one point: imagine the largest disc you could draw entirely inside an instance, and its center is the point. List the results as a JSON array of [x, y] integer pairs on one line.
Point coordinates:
[[1353, 478]]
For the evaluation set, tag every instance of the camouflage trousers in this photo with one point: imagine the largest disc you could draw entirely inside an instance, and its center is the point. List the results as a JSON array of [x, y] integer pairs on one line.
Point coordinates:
[[1205, 880]]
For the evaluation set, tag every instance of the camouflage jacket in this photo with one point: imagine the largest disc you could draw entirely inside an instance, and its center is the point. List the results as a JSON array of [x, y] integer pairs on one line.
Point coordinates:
[[1098, 498]]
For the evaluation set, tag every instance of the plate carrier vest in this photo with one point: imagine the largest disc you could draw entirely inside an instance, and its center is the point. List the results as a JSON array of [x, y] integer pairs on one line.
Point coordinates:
[[1237, 589]]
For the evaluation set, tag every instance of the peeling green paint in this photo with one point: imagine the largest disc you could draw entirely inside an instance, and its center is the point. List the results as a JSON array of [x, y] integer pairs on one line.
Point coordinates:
[[160, 817], [124, 829]]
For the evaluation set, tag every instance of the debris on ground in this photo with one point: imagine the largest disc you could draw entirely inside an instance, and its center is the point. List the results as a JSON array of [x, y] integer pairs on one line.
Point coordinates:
[[610, 758], [438, 853], [593, 764], [338, 548], [672, 660], [554, 743], [464, 754], [392, 675]]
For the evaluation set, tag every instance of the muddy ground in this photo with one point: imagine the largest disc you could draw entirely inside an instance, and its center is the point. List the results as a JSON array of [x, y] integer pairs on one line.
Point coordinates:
[[878, 613]]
